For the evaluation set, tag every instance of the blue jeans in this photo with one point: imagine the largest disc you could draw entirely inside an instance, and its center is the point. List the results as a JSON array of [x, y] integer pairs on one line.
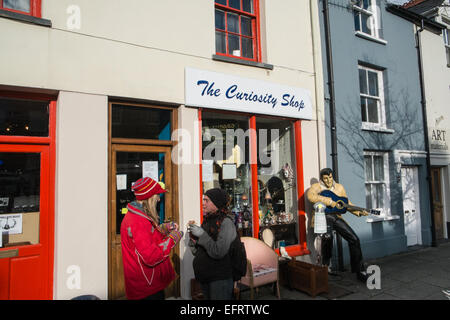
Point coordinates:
[[218, 290]]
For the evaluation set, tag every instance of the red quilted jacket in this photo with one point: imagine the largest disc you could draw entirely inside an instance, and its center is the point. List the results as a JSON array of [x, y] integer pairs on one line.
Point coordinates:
[[145, 254]]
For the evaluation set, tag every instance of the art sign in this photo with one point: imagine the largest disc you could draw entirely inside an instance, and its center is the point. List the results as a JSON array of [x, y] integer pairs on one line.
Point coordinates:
[[438, 139]]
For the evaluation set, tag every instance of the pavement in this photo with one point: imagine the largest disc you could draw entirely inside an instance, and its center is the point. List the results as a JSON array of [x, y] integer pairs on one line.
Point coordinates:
[[421, 273]]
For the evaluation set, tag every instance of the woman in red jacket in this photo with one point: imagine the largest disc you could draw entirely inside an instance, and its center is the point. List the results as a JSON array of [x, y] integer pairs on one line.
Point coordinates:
[[146, 244]]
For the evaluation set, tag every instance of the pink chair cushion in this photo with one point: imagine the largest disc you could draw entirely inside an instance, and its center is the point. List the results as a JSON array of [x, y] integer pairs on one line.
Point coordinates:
[[264, 262]]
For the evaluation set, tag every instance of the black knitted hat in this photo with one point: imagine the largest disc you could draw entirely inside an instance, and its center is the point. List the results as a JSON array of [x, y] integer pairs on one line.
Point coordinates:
[[218, 196]]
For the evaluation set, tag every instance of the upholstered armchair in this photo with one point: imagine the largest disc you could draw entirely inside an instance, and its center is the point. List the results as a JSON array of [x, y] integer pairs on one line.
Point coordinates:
[[262, 265]]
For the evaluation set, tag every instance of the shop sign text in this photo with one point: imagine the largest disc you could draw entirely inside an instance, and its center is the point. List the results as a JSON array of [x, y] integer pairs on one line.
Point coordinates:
[[219, 91]]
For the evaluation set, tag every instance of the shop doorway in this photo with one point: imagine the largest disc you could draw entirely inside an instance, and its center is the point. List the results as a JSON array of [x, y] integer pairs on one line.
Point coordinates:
[[411, 205], [27, 159], [141, 145], [24, 216], [129, 163], [437, 203]]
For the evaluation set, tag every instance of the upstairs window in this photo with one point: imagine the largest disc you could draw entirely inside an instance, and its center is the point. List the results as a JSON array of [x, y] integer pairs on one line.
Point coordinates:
[[236, 24], [367, 20], [28, 7], [447, 45], [372, 98]]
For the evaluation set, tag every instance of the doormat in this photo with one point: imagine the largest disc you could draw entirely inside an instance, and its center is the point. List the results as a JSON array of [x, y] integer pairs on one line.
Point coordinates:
[[335, 292]]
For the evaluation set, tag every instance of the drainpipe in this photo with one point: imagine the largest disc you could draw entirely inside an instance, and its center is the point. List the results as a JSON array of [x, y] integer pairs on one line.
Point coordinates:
[[334, 159], [425, 126]]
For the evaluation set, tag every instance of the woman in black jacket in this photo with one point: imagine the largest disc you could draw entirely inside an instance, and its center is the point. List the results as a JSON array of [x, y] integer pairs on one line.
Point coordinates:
[[210, 245]]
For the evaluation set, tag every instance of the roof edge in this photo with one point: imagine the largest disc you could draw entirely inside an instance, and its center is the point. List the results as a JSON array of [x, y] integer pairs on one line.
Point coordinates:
[[415, 18]]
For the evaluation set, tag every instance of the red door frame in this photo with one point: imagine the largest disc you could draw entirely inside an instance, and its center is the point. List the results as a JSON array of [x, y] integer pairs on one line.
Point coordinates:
[[45, 146], [293, 250]]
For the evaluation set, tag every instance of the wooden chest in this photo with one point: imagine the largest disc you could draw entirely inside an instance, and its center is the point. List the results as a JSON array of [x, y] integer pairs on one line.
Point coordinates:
[[307, 277]]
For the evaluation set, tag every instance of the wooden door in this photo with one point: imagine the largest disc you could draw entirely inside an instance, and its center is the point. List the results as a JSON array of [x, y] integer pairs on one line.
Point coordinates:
[[25, 223], [437, 202], [128, 164]]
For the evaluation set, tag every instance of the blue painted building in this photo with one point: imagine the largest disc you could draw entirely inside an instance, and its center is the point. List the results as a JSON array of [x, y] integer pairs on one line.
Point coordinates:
[[380, 145]]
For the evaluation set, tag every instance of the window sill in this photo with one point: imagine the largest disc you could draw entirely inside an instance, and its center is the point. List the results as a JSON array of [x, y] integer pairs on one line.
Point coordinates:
[[368, 37], [373, 218], [242, 62], [25, 18], [376, 129]]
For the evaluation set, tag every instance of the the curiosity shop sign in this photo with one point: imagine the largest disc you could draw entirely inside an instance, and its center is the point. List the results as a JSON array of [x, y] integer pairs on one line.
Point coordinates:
[[221, 91]]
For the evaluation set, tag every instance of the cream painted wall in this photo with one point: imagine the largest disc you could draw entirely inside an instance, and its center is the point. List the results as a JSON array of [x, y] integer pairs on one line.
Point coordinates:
[[437, 81], [81, 216], [187, 156], [131, 52], [284, 47], [171, 25]]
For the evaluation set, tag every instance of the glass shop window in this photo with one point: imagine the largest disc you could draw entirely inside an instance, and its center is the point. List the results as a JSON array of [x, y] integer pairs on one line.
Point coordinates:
[[20, 175], [276, 180], [20, 117], [226, 165], [131, 122]]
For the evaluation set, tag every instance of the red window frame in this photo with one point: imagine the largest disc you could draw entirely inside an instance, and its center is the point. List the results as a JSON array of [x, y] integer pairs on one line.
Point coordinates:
[[293, 250], [35, 8], [256, 43]]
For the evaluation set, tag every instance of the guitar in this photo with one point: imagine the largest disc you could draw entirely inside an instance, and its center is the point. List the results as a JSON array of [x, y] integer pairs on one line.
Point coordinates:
[[342, 204]]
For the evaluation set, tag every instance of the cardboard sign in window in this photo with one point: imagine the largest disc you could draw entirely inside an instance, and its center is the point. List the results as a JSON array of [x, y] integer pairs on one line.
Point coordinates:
[[229, 171]]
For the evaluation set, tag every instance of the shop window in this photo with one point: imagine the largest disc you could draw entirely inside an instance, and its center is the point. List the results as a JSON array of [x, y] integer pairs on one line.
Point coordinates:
[[276, 180], [227, 163], [20, 117], [133, 122], [236, 25], [28, 7]]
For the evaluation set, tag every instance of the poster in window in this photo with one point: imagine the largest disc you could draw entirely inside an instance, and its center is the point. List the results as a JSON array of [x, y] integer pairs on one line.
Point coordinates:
[[229, 171], [121, 181], [207, 170], [150, 169], [11, 223]]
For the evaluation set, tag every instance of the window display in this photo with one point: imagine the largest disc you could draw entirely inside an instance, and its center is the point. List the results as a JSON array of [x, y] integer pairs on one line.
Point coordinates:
[[227, 164], [276, 183]]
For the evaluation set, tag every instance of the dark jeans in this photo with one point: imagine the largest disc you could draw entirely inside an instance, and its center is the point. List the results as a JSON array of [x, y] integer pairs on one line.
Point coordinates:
[[346, 232], [156, 296], [218, 290]]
